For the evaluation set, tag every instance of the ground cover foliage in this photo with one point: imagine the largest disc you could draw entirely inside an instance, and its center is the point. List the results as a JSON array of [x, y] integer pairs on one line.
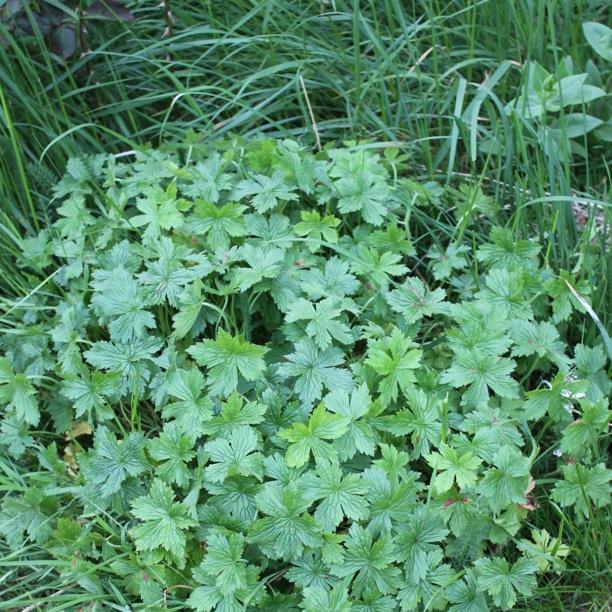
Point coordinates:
[[247, 383]]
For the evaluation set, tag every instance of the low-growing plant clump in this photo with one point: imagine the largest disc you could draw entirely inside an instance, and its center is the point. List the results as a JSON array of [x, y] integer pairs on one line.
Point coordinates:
[[245, 385]]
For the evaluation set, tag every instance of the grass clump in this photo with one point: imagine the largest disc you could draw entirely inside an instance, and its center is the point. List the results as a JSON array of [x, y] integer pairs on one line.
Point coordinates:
[[250, 379]]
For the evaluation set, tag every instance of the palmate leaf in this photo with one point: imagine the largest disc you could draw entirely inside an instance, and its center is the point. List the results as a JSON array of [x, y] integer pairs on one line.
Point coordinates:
[[369, 562], [17, 393], [164, 522], [262, 263], [224, 564], [159, 212], [361, 435], [392, 238], [445, 261], [173, 449], [505, 251], [208, 180], [165, 279], [581, 436], [193, 311], [541, 339], [121, 302], [590, 366], [235, 455], [481, 372], [507, 482], [264, 192], [414, 300], [465, 596], [552, 397], [417, 539], [14, 434], [225, 357], [286, 527], [210, 597], [562, 299], [314, 369], [334, 280], [502, 581], [505, 290], [427, 590], [317, 228], [323, 325], [191, 408], [218, 223], [90, 393], [311, 438], [583, 487], [482, 328], [452, 467], [112, 463], [421, 419], [338, 496], [132, 360], [234, 414], [28, 516], [317, 598], [394, 359], [365, 193], [377, 268]]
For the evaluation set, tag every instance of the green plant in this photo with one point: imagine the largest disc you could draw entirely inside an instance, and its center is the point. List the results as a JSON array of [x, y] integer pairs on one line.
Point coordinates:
[[247, 383]]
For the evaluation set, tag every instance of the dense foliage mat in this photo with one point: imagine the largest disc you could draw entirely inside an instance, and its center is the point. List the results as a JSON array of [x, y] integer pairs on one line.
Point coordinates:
[[243, 384]]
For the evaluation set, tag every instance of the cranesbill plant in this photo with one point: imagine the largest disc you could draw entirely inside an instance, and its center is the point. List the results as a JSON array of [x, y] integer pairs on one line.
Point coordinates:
[[246, 385]]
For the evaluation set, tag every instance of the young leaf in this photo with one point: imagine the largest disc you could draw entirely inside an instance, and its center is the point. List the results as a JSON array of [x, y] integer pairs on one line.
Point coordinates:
[[174, 450], [394, 359], [225, 357], [316, 369], [131, 360], [17, 393], [322, 326], [361, 436], [208, 180], [164, 522], [583, 487], [317, 229], [507, 482], [582, 435], [159, 212], [111, 462], [369, 562], [502, 581], [265, 192], [310, 438], [234, 455], [421, 419], [91, 392], [413, 300], [541, 339], [481, 372], [445, 261], [339, 496], [287, 527], [452, 467]]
